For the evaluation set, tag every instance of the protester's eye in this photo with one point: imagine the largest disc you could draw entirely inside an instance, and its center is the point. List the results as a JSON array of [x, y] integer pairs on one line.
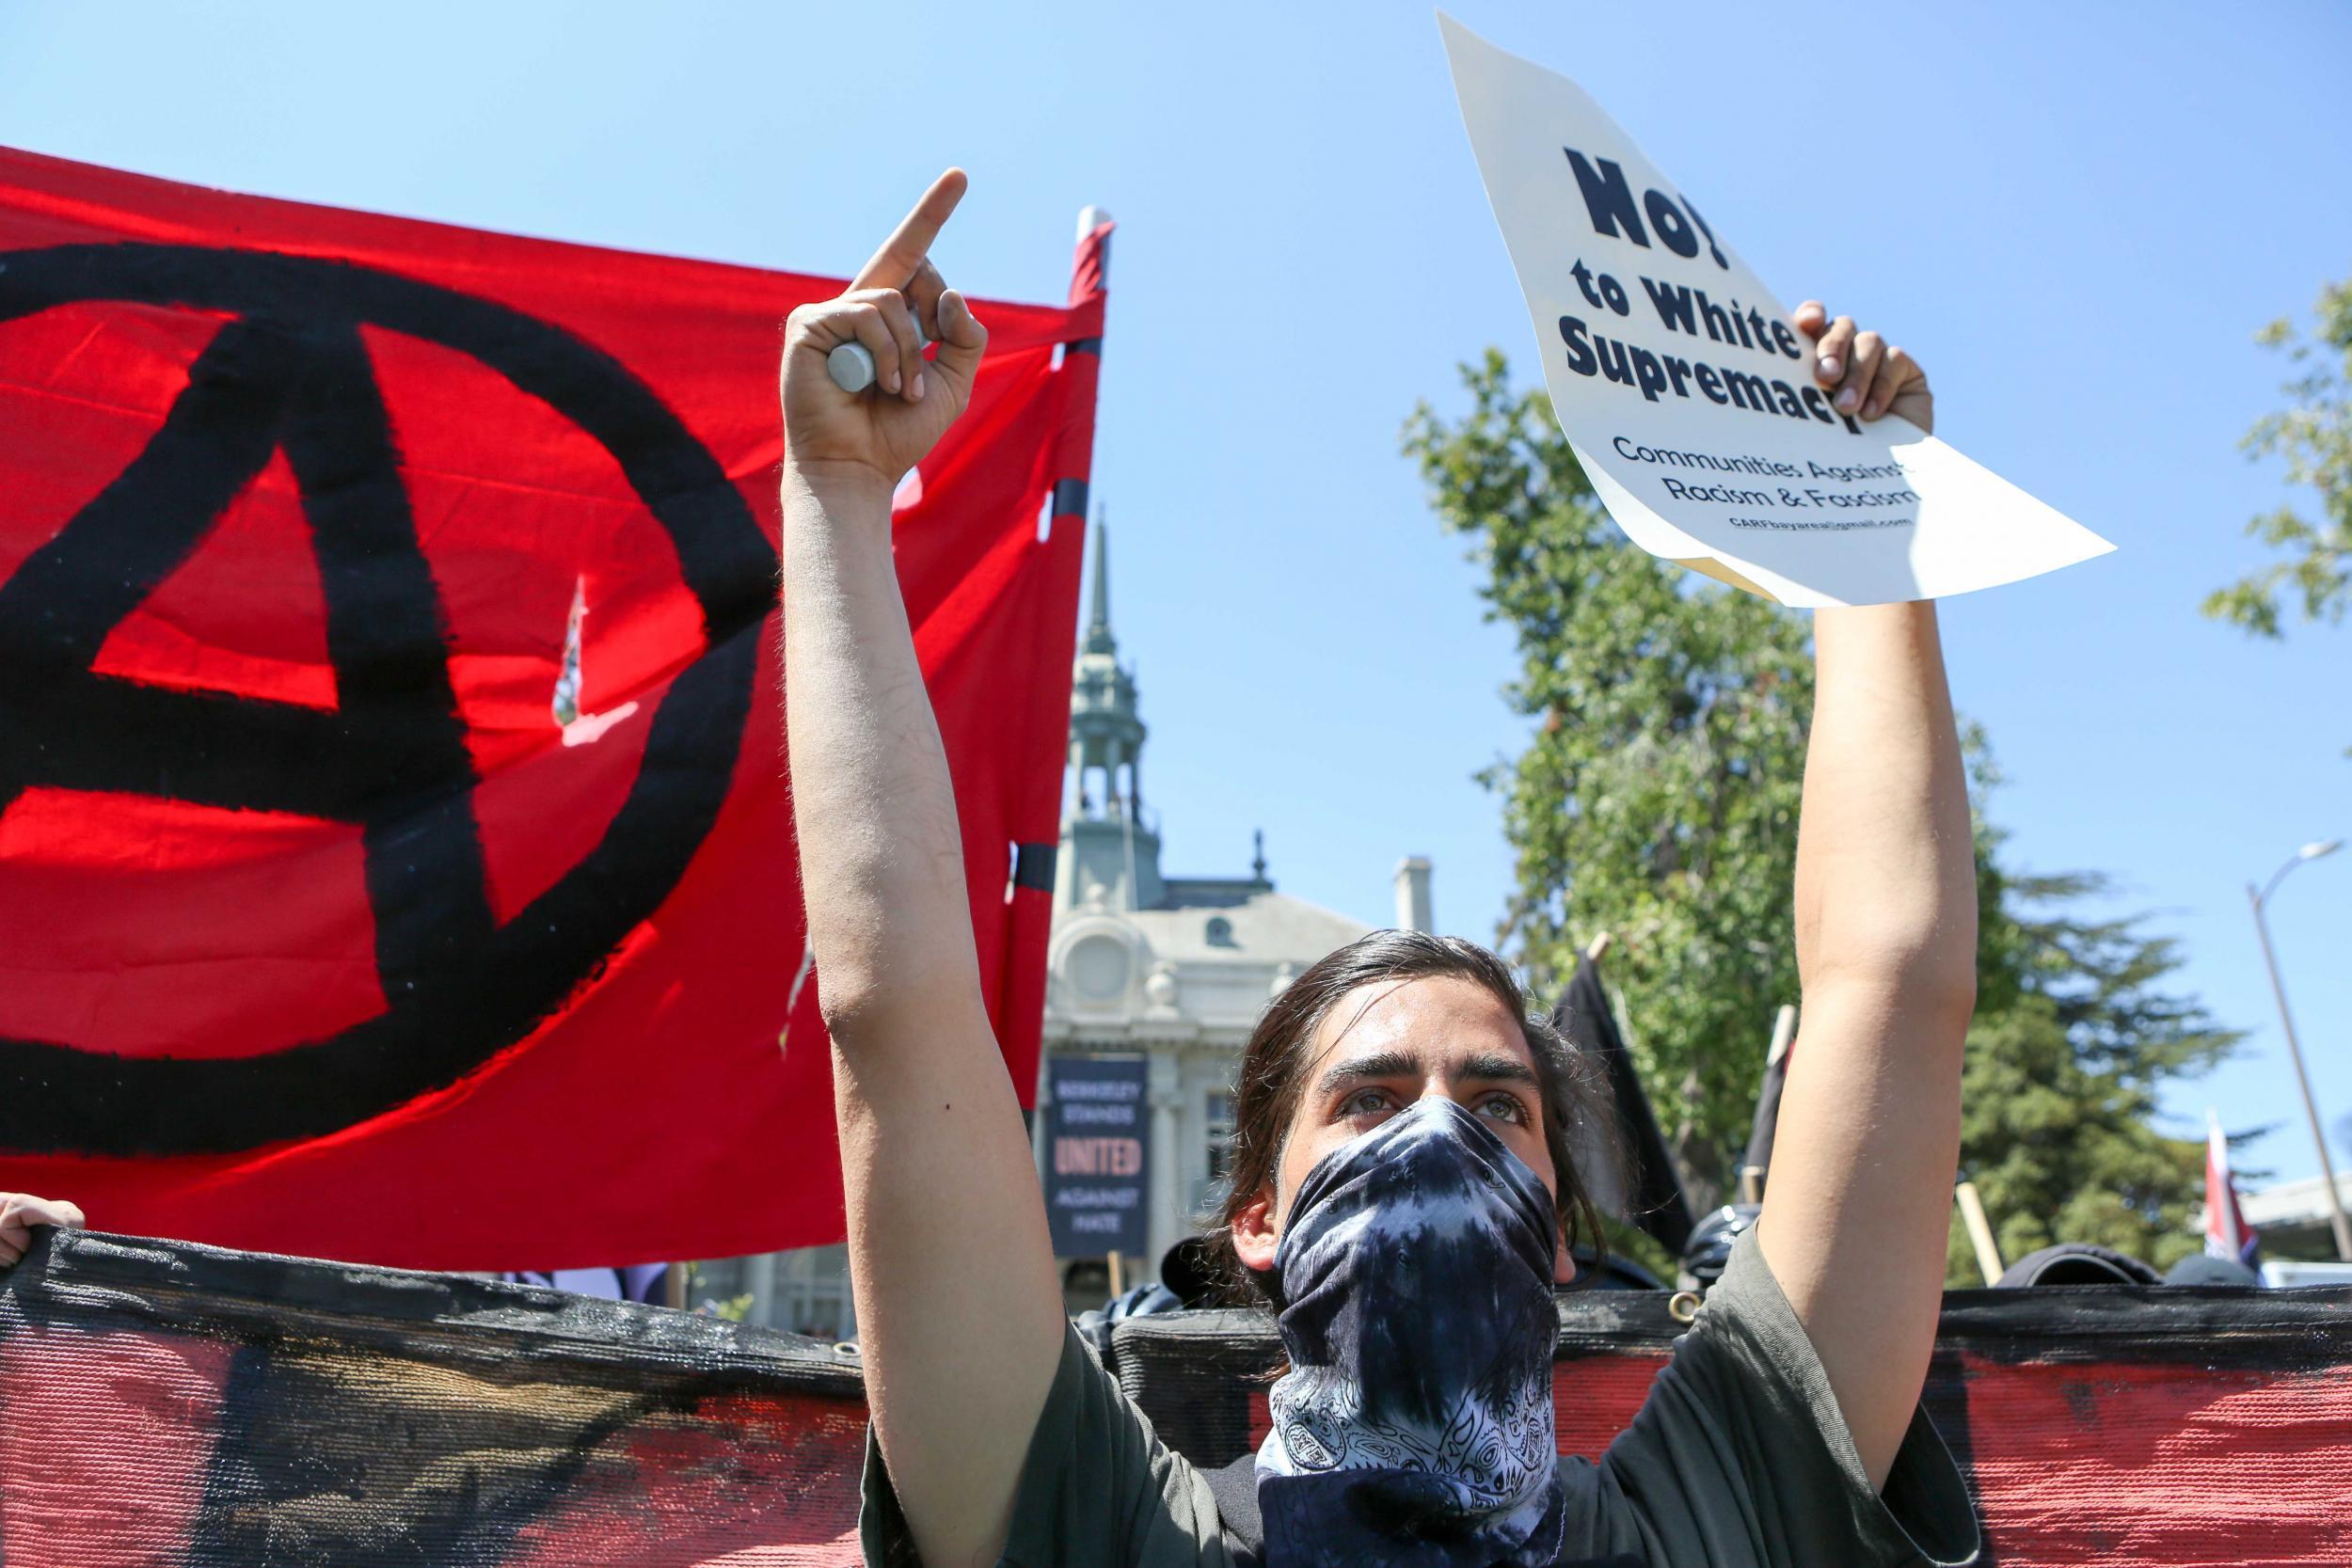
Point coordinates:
[[1504, 1107], [1366, 1102]]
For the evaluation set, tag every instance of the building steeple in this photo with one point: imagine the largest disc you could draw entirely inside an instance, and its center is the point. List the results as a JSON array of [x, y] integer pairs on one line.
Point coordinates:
[[1097, 637], [1106, 842]]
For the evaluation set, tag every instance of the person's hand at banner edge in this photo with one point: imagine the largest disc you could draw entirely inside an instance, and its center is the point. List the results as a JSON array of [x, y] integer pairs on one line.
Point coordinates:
[[886, 430], [1865, 374], [20, 1211]]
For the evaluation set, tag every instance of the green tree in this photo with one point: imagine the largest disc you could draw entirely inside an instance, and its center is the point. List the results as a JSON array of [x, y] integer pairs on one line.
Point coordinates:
[[2073, 1039], [2314, 436], [1657, 800]]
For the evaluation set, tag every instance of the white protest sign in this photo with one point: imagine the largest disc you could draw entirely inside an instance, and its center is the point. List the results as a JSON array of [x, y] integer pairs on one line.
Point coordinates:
[[1690, 399]]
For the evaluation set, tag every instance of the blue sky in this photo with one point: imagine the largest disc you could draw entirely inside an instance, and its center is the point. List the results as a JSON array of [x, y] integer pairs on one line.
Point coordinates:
[[2076, 216]]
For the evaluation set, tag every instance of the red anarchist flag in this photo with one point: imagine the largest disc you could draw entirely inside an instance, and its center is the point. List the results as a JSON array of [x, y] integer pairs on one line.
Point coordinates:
[[395, 859]]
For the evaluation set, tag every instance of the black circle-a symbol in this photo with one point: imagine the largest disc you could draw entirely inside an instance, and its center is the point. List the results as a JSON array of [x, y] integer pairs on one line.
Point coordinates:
[[288, 370]]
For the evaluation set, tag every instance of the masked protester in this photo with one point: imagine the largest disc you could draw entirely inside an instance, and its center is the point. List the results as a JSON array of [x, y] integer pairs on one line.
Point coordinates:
[[1402, 1195], [1416, 1276]]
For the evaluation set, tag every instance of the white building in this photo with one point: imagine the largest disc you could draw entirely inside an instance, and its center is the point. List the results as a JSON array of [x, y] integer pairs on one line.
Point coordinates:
[[2294, 1220], [1174, 968]]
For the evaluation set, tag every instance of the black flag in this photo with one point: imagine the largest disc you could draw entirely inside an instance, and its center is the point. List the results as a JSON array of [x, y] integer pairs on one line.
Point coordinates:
[[1653, 1196]]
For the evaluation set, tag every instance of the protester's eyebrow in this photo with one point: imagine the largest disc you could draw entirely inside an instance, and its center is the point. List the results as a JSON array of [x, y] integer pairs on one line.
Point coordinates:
[[1488, 1066], [1496, 1068], [1368, 1070]]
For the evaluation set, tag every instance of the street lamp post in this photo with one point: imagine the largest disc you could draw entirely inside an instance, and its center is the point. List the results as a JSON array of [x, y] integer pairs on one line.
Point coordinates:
[[2295, 1051]]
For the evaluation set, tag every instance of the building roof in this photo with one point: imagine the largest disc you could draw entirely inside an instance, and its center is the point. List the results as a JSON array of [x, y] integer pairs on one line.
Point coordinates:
[[2292, 1203], [1264, 927], [1202, 972]]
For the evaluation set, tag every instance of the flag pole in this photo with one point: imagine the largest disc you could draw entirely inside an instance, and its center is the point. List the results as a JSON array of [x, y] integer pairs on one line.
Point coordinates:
[[1758, 1158], [1020, 1018], [1979, 1231], [2332, 1196]]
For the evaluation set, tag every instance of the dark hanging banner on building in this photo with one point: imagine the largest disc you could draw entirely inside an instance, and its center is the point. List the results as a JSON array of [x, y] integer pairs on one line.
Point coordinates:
[[1095, 1145]]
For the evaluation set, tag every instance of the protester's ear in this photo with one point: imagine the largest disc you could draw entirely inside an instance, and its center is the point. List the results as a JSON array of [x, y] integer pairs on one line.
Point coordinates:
[[1254, 1233]]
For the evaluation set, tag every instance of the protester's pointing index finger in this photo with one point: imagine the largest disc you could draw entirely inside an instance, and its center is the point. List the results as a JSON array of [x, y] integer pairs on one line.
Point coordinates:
[[901, 254]]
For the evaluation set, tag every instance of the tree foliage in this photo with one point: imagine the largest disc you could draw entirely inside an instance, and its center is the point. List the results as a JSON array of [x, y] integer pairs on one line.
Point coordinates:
[[1657, 800], [2073, 1041], [2314, 436]]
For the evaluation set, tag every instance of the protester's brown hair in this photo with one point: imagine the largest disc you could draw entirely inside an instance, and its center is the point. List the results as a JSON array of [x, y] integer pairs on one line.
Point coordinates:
[[1275, 1064]]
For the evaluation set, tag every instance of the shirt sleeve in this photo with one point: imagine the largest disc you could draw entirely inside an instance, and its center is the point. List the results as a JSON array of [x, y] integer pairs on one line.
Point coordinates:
[[1741, 1454], [1097, 1489]]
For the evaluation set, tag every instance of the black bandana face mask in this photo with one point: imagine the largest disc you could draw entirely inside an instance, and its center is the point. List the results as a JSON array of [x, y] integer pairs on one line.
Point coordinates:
[[1414, 1425]]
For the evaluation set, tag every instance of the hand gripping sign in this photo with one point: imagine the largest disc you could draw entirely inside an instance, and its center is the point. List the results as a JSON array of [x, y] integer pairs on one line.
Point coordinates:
[[1689, 398]]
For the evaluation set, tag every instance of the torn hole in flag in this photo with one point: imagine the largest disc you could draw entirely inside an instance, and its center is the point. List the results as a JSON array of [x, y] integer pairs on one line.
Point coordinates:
[[578, 728]]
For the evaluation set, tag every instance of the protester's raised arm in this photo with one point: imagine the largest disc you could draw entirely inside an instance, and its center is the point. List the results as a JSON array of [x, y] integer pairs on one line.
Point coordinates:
[[959, 1314], [1858, 1204]]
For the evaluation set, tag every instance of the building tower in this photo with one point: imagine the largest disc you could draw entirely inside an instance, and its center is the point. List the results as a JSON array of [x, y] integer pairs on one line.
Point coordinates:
[[1107, 842]]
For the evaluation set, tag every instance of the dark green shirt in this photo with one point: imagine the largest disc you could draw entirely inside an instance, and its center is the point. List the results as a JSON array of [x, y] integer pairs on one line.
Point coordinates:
[[1740, 1458]]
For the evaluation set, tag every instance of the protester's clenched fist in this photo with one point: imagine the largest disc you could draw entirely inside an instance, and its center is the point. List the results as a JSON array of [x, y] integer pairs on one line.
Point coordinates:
[[1865, 376], [888, 427], [20, 1213]]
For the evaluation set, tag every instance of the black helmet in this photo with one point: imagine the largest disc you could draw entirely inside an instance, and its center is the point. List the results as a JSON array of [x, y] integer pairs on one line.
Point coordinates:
[[2078, 1263], [2203, 1268], [1709, 1246]]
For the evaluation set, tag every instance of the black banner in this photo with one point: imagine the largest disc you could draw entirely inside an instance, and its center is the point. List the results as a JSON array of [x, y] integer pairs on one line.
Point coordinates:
[[1097, 1144]]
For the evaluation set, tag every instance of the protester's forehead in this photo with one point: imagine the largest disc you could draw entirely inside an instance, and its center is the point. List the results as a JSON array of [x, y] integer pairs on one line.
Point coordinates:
[[1433, 1018]]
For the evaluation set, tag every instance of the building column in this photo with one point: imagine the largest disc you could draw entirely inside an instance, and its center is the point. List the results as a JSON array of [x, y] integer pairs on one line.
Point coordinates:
[[1167, 1208], [759, 1278]]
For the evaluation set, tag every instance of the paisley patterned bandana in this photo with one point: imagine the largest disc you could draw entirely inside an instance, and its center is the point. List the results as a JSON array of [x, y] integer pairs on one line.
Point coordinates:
[[1414, 1426]]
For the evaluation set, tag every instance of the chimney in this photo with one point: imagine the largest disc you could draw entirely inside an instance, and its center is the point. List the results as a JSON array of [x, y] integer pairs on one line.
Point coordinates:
[[1412, 895]]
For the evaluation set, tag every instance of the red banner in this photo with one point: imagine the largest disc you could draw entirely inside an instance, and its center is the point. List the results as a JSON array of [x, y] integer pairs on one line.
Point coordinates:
[[395, 860]]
